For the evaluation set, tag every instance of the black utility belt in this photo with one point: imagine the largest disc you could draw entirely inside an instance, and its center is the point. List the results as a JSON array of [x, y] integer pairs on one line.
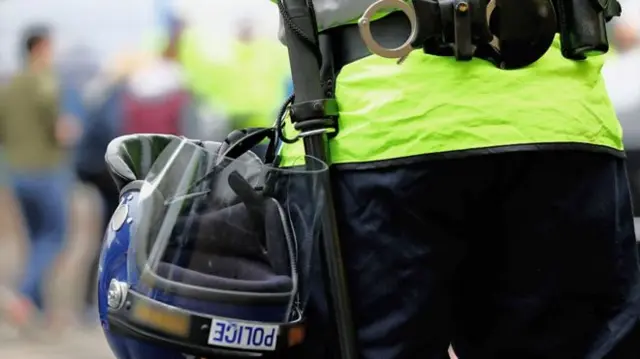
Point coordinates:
[[510, 33]]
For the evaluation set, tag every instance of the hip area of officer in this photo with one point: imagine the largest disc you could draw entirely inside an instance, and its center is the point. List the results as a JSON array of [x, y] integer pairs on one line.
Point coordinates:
[[480, 183], [516, 76]]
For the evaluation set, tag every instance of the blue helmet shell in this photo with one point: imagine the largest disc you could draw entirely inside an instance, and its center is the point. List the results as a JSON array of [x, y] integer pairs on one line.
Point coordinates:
[[114, 265]]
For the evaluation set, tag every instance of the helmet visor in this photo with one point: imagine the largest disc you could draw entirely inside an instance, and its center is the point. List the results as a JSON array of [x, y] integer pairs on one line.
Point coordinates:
[[209, 228]]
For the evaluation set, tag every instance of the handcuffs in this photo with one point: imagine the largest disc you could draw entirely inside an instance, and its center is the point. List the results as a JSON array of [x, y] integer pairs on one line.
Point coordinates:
[[401, 52]]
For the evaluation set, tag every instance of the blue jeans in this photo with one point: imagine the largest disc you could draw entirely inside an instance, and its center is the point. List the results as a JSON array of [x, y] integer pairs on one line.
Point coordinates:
[[43, 200]]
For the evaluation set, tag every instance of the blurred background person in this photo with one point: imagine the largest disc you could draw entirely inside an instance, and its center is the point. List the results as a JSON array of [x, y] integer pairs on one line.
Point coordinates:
[[76, 67], [622, 76], [621, 72], [124, 49], [625, 30], [137, 93], [155, 98], [260, 67], [247, 80], [37, 138], [11, 224], [149, 91]]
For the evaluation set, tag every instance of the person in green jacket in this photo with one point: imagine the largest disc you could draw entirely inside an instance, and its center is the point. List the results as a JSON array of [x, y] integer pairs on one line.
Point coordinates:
[[37, 138], [246, 83]]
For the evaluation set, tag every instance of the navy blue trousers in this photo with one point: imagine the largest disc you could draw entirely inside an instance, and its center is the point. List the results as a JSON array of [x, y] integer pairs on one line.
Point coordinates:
[[525, 255]]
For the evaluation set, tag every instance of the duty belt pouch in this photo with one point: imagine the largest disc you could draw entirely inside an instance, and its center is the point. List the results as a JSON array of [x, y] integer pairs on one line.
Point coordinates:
[[581, 24], [524, 30]]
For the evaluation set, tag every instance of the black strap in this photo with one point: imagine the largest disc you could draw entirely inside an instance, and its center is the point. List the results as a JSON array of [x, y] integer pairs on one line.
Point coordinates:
[[311, 109], [253, 200], [241, 141], [235, 145]]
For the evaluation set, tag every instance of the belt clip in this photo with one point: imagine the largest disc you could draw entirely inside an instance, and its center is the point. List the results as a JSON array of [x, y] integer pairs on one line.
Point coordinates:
[[462, 23], [364, 23]]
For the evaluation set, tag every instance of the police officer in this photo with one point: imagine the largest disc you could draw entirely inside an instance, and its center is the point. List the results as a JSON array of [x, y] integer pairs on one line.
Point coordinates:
[[478, 206]]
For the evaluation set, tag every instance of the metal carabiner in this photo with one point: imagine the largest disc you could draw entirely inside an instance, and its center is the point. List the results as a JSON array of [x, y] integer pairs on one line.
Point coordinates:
[[364, 23]]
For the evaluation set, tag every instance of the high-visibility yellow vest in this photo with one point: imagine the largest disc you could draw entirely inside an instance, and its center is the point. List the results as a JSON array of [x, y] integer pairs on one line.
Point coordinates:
[[433, 104]]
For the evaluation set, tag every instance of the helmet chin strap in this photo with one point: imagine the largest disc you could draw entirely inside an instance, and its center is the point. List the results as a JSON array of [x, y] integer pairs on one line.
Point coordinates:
[[252, 199], [241, 141]]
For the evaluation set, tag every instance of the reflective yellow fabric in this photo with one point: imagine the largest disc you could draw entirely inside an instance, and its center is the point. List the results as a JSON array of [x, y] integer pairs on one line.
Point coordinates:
[[250, 83], [207, 77], [259, 72], [433, 104]]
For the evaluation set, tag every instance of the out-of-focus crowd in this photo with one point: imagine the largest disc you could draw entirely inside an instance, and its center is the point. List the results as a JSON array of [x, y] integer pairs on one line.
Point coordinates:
[[55, 125]]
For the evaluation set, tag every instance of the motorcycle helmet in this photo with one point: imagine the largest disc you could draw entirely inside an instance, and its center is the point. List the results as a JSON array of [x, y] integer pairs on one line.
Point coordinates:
[[200, 259]]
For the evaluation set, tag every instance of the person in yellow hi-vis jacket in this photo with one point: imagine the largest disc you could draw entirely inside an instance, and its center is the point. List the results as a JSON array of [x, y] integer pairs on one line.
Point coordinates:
[[479, 203], [248, 83]]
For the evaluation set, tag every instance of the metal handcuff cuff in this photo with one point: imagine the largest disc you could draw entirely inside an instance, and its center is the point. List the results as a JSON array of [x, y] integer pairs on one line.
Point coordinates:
[[510, 33]]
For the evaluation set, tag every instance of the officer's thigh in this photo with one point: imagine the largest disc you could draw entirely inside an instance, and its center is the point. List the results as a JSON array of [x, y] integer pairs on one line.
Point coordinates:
[[403, 230], [557, 276]]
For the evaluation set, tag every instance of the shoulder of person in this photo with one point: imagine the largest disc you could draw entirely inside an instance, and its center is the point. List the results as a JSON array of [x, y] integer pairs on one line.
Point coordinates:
[[48, 84], [3, 91], [17, 84], [17, 78], [46, 87]]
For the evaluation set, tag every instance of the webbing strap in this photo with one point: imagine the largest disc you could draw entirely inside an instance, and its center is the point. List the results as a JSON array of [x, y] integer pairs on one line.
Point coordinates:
[[306, 74]]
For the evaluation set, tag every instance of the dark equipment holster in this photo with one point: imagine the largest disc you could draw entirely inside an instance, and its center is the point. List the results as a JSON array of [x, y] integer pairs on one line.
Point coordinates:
[[509, 33]]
